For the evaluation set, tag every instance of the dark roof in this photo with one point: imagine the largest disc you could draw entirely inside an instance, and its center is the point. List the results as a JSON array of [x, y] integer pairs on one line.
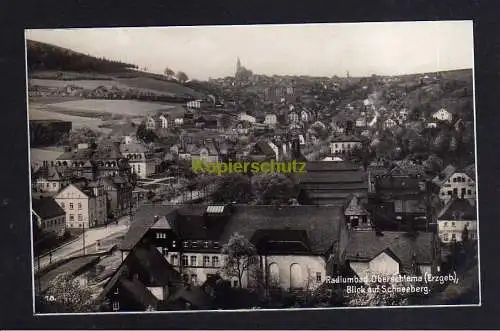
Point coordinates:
[[459, 209], [198, 298], [47, 208], [340, 166], [321, 223], [263, 147], [139, 292], [444, 175], [150, 259], [398, 183], [144, 218], [365, 245], [470, 171], [281, 241], [411, 206], [346, 139]]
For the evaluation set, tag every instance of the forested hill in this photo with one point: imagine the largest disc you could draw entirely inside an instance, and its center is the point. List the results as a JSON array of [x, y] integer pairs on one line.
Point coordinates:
[[42, 56]]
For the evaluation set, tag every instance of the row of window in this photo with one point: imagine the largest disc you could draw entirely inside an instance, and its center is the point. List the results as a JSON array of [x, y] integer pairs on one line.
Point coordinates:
[[455, 191], [47, 185], [192, 261], [72, 217], [71, 206], [445, 224], [191, 243], [446, 236], [52, 222], [460, 180]]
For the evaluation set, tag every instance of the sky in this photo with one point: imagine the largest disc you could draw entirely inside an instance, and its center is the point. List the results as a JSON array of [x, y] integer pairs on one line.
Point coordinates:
[[362, 49]]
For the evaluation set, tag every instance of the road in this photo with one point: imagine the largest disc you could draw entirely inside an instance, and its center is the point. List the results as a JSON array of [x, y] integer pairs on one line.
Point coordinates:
[[75, 247]]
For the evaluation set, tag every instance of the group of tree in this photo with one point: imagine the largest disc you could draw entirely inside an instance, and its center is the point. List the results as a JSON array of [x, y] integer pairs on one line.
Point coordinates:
[[180, 75], [146, 135], [42, 56], [264, 189]]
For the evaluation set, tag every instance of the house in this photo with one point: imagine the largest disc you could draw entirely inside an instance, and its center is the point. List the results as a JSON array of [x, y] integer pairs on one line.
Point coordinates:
[[443, 115], [431, 125], [332, 183], [458, 217], [361, 122], [208, 152], [261, 151], [297, 245], [389, 123], [305, 116], [49, 216], [118, 192], [246, 118], [458, 183], [52, 178], [84, 204], [271, 120], [344, 144], [356, 215], [293, 117], [145, 280], [142, 162], [158, 121], [388, 253]]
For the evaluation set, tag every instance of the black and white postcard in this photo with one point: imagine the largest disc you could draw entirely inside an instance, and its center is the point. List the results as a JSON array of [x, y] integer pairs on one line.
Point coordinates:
[[257, 167]]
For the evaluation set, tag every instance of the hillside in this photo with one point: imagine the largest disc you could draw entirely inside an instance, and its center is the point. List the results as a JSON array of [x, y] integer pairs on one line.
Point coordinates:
[[42, 56], [51, 66]]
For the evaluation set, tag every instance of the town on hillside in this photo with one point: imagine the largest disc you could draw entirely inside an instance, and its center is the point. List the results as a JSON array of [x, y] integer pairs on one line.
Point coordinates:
[[385, 213]]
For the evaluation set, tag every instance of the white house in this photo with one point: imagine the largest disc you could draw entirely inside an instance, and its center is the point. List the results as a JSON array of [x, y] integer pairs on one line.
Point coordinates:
[[84, 204], [370, 253], [443, 115], [457, 215], [151, 123], [271, 119], [293, 117], [163, 121], [141, 161], [389, 123], [247, 118], [458, 183], [361, 122], [342, 145]]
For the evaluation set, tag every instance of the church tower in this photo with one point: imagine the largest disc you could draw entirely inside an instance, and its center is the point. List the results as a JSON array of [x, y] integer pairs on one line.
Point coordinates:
[[238, 65]]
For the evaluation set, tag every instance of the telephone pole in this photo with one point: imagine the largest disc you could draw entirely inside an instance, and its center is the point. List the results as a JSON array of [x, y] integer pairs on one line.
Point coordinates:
[[83, 237]]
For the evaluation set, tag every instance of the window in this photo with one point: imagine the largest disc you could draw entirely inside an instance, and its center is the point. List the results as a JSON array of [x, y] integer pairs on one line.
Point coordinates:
[[173, 259], [469, 192], [71, 206], [445, 237], [80, 217], [453, 224], [215, 261], [318, 277], [235, 283], [173, 243], [48, 185], [186, 244], [164, 251], [71, 217], [216, 244], [193, 260], [453, 236], [194, 244], [116, 290], [54, 185], [445, 224], [79, 205], [116, 306], [205, 244], [206, 261], [449, 192], [185, 261], [160, 235]]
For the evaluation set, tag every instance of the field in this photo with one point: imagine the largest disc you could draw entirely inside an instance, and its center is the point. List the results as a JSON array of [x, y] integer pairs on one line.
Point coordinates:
[[119, 107], [39, 112]]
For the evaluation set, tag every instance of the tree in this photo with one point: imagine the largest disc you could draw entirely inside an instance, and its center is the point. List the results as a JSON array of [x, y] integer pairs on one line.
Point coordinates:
[[169, 73], [79, 136], [65, 294], [182, 77], [240, 254], [233, 187], [273, 189], [146, 135]]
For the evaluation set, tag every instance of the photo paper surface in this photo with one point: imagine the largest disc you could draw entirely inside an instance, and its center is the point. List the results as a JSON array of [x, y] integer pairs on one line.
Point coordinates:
[[259, 167]]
